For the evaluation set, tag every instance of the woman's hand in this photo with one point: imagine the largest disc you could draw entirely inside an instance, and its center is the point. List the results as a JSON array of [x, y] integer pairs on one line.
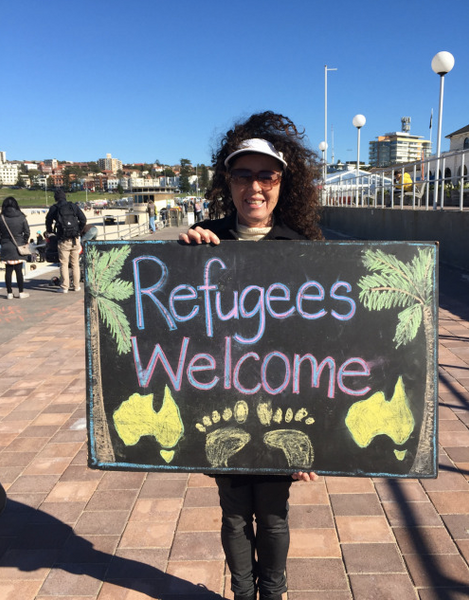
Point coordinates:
[[302, 476], [199, 236]]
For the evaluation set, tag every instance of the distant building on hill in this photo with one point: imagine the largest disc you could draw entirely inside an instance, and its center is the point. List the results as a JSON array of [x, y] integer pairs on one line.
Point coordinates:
[[110, 164], [8, 171], [51, 163], [399, 147]]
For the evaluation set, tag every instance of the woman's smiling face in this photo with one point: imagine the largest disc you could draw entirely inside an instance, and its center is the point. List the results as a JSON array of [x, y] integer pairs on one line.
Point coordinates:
[[254, 203]]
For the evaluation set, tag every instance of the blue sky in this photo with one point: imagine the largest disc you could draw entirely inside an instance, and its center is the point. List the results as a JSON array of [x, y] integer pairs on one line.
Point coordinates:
[[148, 79]]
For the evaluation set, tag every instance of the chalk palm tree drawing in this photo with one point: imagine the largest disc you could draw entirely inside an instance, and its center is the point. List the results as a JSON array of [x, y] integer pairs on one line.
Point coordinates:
[[105, 291], [409, 286]]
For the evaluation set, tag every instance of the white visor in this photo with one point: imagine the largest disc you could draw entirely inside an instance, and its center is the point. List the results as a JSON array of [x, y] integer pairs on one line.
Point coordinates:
[[258, 146]]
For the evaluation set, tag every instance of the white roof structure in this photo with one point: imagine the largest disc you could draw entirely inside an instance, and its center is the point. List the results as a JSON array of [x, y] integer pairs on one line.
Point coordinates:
[[349, 177]]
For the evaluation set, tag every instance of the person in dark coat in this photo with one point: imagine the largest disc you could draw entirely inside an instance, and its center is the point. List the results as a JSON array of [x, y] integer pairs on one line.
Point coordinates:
[[18, 225]]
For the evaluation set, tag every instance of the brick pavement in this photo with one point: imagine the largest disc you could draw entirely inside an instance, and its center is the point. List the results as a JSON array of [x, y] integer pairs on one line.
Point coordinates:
[[74, 533]]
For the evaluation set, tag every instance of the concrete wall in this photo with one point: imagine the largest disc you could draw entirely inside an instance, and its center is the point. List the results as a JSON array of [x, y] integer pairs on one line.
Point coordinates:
[[449, 228]]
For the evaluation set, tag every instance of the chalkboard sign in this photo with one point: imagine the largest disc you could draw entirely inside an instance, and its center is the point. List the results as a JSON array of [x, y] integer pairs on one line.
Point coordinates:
[[268, 357]]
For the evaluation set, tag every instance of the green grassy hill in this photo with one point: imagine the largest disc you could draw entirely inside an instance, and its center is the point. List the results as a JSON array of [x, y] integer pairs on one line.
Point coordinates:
[[37, 198]]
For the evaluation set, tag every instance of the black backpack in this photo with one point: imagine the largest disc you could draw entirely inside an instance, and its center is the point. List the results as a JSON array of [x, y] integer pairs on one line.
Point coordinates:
[[68, 225]]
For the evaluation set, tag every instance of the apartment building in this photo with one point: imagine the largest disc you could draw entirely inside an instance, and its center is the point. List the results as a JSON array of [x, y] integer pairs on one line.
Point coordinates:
[[110, 164], [399, 147], [8, 172], [51, 164]]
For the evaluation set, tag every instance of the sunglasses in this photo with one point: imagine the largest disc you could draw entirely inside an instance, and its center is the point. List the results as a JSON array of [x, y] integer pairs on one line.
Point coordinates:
[[244, 177]]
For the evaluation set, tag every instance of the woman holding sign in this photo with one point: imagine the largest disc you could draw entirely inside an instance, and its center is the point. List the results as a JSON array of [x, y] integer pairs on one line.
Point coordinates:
[[263, 188]]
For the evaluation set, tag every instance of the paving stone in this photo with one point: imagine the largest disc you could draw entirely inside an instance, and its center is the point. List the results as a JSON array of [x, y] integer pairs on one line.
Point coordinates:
[[446, 481], [349, 485], [84, 579], [382, 587], [112, 500], [410, 491], [453, 502], [364, 529], [148, 534], [308, 493], [33, 483], [355, 504], [372, 558], [206, 496], [412, 514], [316, 574], [442, 570], [424, 540], [13, 590], [200, 519], [161, 509], [310, 516], [190, 573], [101, 522], [197, 547], [120, 480], [154, 488], [72, 491], [314, 543], [458, 526]]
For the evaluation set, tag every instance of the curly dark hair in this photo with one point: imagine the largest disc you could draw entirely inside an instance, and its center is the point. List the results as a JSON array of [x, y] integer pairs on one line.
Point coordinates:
[[298, 205]]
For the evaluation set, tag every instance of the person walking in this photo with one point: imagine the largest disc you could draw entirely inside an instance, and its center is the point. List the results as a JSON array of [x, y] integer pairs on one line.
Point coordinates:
[[14, 232], [151, 215], [264, 188], [198, 211], [67, 221]]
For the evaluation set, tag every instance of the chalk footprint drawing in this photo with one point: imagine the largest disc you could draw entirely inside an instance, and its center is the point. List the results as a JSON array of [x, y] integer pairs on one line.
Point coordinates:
[[393, 283], [228, 436]]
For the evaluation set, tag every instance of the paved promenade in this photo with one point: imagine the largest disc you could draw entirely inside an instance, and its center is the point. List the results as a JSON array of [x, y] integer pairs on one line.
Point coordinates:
[[72, 533]]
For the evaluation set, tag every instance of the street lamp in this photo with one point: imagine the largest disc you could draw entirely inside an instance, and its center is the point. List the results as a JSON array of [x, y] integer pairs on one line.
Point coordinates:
[[326, 69], [442, 63], [358, 122], [323, 148]]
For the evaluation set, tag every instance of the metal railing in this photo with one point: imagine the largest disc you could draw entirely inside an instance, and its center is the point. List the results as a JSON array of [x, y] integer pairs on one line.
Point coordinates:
[[378, 188], [121, 229], [129, 228]]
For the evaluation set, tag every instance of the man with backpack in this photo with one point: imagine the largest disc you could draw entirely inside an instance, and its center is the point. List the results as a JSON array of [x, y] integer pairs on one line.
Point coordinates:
[[67, 221]]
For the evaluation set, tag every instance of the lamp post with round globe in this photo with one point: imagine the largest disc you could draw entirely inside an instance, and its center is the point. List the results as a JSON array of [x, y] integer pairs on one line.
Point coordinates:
[[358, 122], [442, 63]]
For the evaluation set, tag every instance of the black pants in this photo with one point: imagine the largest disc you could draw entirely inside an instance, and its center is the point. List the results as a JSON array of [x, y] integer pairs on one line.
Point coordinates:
[[18, 269], [241, 498]]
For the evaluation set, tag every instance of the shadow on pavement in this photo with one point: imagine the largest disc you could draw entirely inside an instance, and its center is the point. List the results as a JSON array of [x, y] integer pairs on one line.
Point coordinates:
[[31, 539]]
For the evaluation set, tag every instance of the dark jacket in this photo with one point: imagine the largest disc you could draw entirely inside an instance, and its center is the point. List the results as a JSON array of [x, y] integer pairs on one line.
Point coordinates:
[[19, 228], [52, 217], [223, 227]]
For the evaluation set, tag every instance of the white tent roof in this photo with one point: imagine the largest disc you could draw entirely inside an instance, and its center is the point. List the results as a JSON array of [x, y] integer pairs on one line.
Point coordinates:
[[366, 178]]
